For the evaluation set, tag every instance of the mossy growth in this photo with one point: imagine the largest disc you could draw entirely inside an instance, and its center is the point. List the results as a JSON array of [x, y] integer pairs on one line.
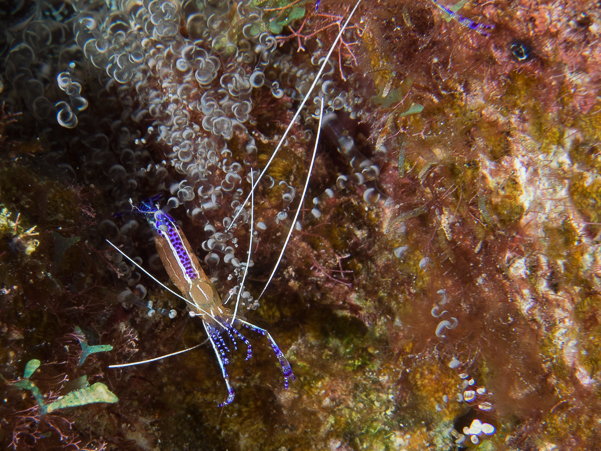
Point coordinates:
[[465, 175], [545, 130], [420, 269], [453, 114], [568, 420], [568, 112], [60, 206], [343, 334], [562, 240], [269, 311], [564, 253], [504, 203], [551, 352], [587, 155], [431, 381], [288, 167], [587, 314], [586, 195], [497, 140], [590, 124], [378, 59], [349, 220], [519, 87]]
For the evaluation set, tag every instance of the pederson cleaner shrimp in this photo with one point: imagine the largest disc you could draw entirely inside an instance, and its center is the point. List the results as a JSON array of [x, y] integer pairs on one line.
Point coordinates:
[[196, 288], [199, 293]]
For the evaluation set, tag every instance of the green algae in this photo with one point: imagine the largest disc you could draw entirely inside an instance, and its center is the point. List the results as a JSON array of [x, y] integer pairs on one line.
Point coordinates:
[[392, 97], [280, 13], [97, 393], [26, 384], [285, 18], [87, 350]]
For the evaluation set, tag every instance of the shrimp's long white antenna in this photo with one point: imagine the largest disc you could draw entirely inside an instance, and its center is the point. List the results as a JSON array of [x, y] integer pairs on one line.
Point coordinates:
[[250, 247], [123, 365], [156, 280], [300, 204], [297, 114]]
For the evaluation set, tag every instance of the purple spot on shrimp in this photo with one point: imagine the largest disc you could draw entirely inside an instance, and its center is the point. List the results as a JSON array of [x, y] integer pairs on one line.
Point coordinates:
[[182, 256]]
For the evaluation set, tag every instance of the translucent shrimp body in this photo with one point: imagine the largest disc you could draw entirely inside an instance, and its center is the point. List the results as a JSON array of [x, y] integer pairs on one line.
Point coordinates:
[[200, 294]]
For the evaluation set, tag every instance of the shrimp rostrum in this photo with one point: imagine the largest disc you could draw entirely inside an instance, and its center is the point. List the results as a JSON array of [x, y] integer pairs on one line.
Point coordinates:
[[200, 294]]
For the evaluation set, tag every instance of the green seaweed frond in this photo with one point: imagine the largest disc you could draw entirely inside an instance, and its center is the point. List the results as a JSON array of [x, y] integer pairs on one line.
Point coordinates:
[[86, 349], [98, 392]]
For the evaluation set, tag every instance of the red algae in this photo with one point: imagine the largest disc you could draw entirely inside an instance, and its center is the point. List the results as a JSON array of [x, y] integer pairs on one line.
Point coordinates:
[[454, 286]]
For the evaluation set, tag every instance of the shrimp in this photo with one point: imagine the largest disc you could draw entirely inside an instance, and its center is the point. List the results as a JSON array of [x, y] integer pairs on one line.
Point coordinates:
[[196, 289], [200, 294]]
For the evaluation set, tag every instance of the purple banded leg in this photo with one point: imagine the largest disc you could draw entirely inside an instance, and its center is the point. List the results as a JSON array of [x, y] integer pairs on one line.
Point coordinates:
[[229, 333], [210, 330], [286, 368], [221, 345], [216, 338], [249, 351]]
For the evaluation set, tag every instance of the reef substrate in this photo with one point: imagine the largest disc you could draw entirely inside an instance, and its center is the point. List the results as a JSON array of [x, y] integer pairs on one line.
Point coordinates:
[[441, 290]]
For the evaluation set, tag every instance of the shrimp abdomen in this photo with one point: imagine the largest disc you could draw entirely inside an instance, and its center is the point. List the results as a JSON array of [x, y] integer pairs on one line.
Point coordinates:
[[182, 265]]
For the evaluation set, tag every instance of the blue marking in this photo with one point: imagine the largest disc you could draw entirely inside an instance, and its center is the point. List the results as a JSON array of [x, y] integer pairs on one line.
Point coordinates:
[[249, 351], [286, 368], [211, 332], [477, 27], [223, 348], [165, 225], [229, 333]]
